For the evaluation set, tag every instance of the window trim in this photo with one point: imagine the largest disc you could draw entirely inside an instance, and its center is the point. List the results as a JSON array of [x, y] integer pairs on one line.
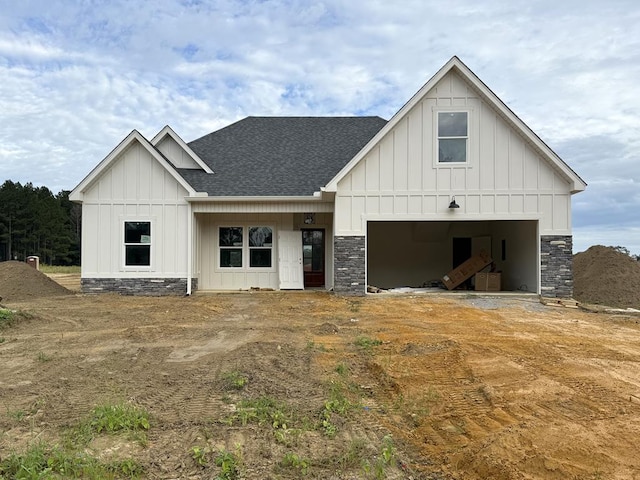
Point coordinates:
[[471, 138], [246, 248], [123, 224]]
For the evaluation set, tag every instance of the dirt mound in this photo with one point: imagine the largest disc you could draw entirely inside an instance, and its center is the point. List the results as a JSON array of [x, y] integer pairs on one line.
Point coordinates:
[[19, 281], [605, 276]]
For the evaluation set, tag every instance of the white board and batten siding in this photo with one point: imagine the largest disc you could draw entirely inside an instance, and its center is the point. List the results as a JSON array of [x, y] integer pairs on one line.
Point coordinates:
[[505, 177], [179, 158], [135, 187], [212, 276]]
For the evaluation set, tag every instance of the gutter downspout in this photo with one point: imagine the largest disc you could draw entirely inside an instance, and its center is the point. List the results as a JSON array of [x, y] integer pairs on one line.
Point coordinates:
[[189, 247]]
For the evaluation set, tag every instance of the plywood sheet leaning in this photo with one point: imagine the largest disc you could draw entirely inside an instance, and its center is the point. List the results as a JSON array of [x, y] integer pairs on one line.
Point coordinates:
[[466, 270]]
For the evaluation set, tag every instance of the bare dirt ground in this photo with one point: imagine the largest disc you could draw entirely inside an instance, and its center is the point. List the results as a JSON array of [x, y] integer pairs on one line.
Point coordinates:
[[468, 387]]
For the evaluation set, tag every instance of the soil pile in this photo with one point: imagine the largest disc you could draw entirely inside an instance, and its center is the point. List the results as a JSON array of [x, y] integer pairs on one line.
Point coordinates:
[[19, 281], [605, 276]]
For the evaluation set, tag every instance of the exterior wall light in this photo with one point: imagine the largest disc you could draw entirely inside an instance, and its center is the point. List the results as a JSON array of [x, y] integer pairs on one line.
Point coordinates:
[[453, 203]]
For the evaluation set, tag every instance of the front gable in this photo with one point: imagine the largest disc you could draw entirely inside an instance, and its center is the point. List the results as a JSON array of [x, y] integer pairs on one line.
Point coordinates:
[[507, 171], [454, 88], [133, 171]]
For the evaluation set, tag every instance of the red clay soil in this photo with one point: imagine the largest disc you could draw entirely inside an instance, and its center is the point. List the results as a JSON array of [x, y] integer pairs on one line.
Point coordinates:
[[605, 276], [19, 281]]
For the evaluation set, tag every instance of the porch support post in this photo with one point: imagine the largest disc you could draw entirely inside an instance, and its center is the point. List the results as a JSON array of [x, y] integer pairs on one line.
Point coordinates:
[[349, 265], [556, 266], [189, 247]]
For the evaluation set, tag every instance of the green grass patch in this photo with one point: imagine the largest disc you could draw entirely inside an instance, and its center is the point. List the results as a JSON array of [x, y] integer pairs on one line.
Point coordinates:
[[337, 404], [366, 343], [230, 465], [59, 268], [295, 462], [234, 380], [7, 318], [119, 417], [43, 357], [42, 461], [342, 369], [263, 411]]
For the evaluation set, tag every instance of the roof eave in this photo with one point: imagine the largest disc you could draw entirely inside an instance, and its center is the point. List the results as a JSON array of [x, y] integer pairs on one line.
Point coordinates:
[[203, 197]]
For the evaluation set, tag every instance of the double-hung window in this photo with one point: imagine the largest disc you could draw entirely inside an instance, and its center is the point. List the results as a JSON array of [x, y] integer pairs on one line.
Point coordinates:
[[245, 247], [231, 244], [137, 244], [260, 247], [453, 137]]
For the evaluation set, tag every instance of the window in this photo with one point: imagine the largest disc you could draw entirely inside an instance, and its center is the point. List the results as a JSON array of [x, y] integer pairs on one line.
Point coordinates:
[[137, 244], [231, 243], [453, 136], [234, 247], [260, 245]]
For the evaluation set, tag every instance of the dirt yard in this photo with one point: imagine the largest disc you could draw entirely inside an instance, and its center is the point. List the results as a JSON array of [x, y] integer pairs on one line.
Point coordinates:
[[468, 387]]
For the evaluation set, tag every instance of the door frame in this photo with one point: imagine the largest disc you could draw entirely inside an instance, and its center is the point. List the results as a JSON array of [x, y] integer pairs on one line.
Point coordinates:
[[316, 279]]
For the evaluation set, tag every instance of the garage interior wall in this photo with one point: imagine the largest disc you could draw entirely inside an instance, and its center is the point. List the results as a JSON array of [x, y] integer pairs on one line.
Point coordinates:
[[402, 253]]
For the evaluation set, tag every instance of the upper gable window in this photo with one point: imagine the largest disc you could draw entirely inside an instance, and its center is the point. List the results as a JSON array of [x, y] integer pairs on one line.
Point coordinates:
[[453, 137]]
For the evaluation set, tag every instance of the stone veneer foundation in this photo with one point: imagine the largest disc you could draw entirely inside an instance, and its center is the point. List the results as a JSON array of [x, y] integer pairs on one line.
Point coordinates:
[[556, 266], [349, 265], [138, 286]]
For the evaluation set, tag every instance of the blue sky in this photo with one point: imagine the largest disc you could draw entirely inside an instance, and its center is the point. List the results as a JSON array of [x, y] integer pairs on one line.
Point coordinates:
[[78, 76]]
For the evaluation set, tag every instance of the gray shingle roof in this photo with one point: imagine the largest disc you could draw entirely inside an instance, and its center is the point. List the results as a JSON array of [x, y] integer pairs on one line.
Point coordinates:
[[278, 156]]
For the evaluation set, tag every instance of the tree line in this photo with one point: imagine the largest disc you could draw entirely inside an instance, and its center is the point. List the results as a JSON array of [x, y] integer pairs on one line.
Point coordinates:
[[34, 221]]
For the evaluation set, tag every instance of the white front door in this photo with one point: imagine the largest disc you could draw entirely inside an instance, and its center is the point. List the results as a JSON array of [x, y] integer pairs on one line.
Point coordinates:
[[290, 260]]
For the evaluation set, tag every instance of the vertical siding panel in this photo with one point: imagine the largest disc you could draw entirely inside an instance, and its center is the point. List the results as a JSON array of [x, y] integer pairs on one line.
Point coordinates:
[[516, 162], [144, 210], [545, 179], [373, 205], [546, 208], [429, 179], [386, 164], [488, 204], [486, 163], [472, 204], [414, 205], [429, 204], [106, 234], [502, 204], [358, 178], [459, 89], [443, 88], [531, 204], [144, 186], [117, 179], [414, 149], [516, 204], [531, 162], [157, 182], [372, 163], [343, 214], [400, 167], [560, 212], [386, 204], [132, 173], [400, 205], [459, 179], [90, 238], [357, 209], [444, 183], [502, 156]]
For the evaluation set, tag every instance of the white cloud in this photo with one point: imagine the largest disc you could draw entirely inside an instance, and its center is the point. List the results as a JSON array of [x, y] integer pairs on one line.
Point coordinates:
[[77, 77]]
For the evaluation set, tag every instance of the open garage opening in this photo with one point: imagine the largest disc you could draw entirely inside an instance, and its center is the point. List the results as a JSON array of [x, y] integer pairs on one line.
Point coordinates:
[[418, 254]]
